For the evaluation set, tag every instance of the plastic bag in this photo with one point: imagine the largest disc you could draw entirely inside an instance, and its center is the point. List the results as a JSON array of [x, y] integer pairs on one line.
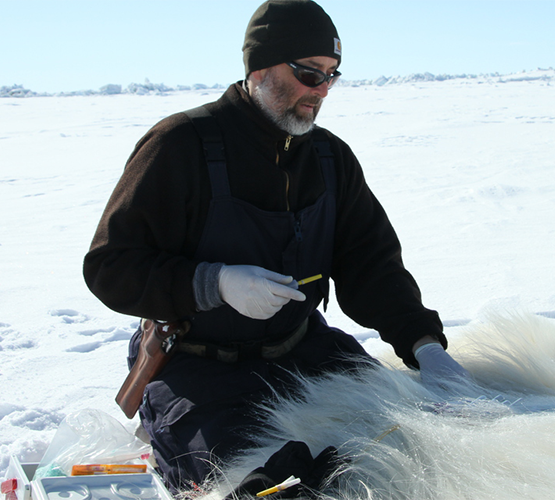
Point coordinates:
[[89, 437]]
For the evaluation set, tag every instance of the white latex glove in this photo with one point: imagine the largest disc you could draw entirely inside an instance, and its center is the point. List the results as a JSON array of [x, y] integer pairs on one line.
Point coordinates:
[[256, 292], [436, 365]]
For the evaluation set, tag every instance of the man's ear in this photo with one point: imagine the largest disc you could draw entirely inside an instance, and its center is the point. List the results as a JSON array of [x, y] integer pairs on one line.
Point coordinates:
[[257, 77]]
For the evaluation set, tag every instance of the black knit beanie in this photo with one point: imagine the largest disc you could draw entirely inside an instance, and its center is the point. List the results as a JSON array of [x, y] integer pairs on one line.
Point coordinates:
[[286, 30]]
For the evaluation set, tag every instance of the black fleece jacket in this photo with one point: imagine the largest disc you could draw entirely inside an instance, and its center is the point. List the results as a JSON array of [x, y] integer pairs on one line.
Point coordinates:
[[141, 260]]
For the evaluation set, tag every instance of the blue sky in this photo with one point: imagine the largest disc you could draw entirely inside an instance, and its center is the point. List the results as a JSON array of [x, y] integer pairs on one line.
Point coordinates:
[[64, 45]]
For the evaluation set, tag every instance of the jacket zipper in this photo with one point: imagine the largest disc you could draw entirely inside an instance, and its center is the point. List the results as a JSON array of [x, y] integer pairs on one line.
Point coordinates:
[[297, 228], [287, 142], [286, 148]]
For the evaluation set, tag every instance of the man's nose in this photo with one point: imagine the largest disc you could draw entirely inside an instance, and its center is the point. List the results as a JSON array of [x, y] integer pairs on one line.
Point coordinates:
[[322, 90]]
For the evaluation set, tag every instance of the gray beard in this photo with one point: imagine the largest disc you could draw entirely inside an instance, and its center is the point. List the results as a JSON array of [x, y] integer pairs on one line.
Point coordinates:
[[286, 118]]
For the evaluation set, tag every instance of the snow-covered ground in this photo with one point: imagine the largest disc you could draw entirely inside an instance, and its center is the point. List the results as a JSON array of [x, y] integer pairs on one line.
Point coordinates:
[[463, 166]]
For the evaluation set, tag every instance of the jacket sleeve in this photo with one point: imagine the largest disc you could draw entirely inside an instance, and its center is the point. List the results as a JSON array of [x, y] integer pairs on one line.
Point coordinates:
[[372, 285], [141, 258]]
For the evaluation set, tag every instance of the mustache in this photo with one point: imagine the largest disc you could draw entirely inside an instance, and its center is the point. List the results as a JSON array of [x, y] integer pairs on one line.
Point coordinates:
[[311, 100]]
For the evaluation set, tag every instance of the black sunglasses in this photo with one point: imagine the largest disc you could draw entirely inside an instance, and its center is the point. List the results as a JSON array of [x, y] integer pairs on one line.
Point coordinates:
[[312, 77]]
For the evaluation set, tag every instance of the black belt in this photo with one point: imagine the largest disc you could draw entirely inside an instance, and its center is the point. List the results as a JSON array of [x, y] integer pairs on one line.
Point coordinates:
[[231, 353]]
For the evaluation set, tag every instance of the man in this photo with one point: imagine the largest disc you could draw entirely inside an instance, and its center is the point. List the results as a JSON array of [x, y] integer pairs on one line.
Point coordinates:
[[220, 244]]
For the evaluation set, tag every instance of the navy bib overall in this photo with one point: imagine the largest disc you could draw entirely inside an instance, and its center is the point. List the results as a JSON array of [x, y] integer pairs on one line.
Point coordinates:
[[199, 410], [296, 244]]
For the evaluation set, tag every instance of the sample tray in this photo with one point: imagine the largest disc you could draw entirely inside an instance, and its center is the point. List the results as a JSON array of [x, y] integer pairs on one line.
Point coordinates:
[[102, 487]]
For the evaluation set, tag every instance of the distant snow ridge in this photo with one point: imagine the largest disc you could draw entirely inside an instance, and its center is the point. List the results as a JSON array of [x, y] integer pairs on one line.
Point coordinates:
[[16, 91], [547, 75], [148, 88]]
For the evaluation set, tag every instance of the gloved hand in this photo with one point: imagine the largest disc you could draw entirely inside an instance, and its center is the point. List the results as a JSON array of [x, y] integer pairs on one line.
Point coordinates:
[[436, 365], [256, 292]]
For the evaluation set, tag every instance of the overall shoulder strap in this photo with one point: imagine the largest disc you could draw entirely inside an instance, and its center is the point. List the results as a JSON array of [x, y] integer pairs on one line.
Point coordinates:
[[327, 161], [213, 144]]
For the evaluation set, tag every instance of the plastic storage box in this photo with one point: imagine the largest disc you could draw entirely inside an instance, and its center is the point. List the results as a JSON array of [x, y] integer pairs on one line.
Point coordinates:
[[146, 486], [22, 473]]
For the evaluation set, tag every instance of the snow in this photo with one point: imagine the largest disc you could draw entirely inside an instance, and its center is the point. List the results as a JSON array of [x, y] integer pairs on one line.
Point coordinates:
[[463, 165]]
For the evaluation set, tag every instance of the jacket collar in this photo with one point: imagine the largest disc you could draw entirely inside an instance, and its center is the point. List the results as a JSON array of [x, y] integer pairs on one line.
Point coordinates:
[[260, 127]]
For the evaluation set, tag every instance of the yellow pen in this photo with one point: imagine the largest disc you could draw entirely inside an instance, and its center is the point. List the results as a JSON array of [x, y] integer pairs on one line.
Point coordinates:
[[292, 481], [309, 280]]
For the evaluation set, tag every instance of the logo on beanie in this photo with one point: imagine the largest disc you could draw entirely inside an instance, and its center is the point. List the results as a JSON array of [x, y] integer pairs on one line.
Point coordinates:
[[337, 46]]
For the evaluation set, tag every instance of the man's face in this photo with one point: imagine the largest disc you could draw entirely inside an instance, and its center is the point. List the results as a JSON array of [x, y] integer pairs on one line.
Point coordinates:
[[291, 105]]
